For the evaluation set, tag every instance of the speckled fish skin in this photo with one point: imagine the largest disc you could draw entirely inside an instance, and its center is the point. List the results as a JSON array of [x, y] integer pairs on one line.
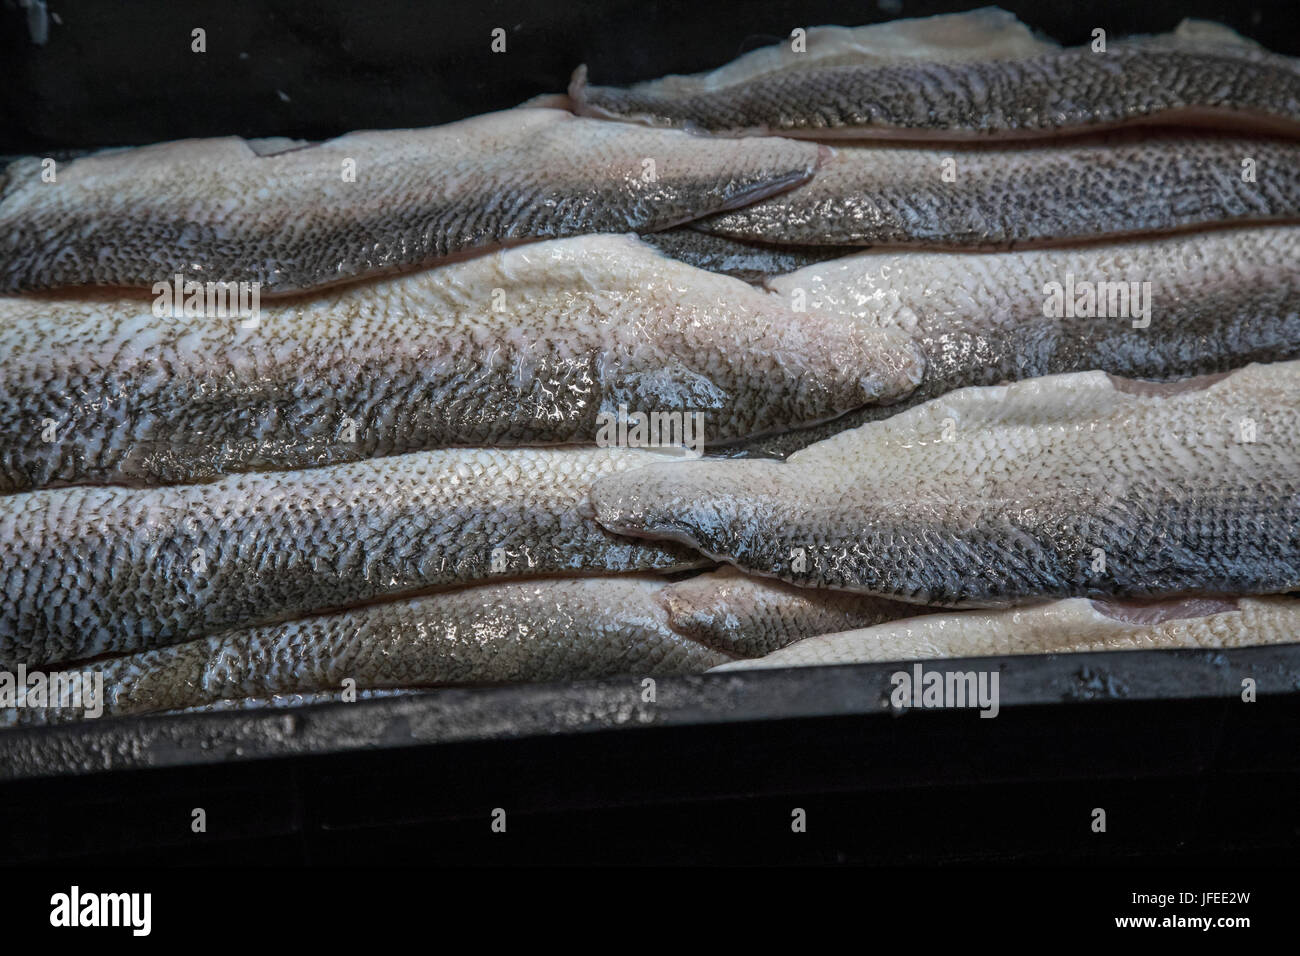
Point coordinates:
[[1043, 194], [747, 616], [215, 209], [751, 261], [499, 633], [1075, 625], [1202, 75], [983, 34], [93, 570], [1218, 301], [1065, 486], [422, 361]]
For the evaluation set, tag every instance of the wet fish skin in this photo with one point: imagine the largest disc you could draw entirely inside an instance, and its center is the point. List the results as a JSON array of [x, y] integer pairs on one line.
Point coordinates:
[[216, 210], [496, 633], [983, 34], [748, 616], [420, 361], [1042, 194], [1075, 625], [1218, 300], [90, 570], [991, 496], [1205, 80], [751, 261]]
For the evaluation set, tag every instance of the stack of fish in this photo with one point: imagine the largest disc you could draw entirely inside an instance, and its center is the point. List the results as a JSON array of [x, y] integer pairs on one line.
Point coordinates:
[[990, 346]]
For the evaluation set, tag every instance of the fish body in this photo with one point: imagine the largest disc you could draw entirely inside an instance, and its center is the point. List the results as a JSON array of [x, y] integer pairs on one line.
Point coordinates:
[[752, 261], [294, 217], [981, 197], [91, 570], [496, 633], [1201, 75], [1158, 309], [748, 616], [1075, 625], [529, 346], [1064, 486]]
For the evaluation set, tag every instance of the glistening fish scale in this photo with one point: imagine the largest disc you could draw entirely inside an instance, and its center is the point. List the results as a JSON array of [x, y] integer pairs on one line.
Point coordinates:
[[215, 210], [1217, 301], [526, 346], [1035, 481], [1049, 94], [1074, 625], [157, 566], [515, 631], [1038, 194]]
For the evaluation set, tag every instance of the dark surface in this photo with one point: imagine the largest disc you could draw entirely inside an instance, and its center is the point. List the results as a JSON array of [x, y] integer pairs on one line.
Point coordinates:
[[587, 773], [116, 73]]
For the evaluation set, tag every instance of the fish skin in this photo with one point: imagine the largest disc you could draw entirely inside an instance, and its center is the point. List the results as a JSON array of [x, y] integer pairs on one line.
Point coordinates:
[[748, 616], [1219, 300], [421, 361], [1043, 194], [496, 633], [985, 34], [1038, 477], [1190, 78], [216, 210], [1074, 625], [751, 261], [90, 570]]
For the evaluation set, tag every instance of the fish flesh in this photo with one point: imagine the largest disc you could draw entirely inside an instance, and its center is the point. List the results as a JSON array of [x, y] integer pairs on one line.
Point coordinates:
[[530, 346], [1200, 75], [1201, 303], [294, 216], [1065, 486], [982, 197], [95, 570], [1075, 625], [747, 616], [750, 261], [496, 633]]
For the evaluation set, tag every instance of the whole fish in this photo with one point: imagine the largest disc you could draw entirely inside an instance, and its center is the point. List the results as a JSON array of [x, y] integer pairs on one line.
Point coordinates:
[[542, 344], [1070, 626], [751, 261], [90, 570], [981, 197], [294, 216], [516, 631], [748, 616], [1201, 75], [1160, 309], [1065, 486]]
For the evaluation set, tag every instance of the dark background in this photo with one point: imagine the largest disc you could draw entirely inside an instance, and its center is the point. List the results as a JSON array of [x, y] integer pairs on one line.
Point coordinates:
[[117, 73]]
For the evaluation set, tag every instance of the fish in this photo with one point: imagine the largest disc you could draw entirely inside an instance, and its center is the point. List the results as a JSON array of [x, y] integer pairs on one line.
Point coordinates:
[[108, 570], [1076, 485], [747, 616], [293, 217], [1073, 625], [912, 86], [496, 633], [539, 345], [1184, 306], [751, 261], [1039, 194]]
